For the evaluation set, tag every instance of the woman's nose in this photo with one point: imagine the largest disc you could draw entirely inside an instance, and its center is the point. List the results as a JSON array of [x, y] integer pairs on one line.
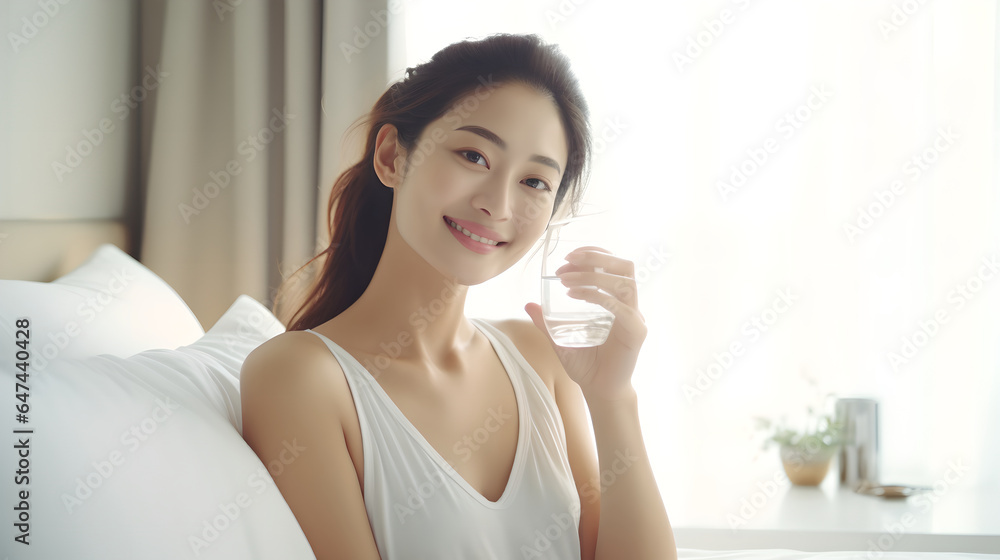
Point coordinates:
[[494, 199]]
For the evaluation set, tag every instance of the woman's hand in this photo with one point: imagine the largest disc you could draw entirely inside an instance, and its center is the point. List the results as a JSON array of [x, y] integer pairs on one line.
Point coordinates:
[[604, 371]]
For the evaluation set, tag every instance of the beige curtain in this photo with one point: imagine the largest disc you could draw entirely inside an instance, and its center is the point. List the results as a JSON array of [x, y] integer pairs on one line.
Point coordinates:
[[242, 139]]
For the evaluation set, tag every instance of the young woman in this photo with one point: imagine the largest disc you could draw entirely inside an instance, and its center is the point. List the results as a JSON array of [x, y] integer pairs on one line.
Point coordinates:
[[425, 434]]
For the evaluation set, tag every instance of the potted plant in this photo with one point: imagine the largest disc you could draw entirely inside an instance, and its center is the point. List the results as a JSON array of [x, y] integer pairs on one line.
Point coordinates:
[[806, 452]]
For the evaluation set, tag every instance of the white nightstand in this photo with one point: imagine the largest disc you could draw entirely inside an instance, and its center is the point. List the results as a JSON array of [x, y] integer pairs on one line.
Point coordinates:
[[768, 512]]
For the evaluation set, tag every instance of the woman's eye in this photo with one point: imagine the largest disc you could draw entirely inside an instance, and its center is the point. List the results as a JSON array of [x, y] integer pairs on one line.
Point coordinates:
[[540, 184], [474, 157]]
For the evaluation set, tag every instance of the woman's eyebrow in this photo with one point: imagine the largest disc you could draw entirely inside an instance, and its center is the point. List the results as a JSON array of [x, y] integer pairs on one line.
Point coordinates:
[[492, 137]]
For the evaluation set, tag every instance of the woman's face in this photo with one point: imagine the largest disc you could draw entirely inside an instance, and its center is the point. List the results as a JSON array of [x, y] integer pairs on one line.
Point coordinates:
[[495, 161]]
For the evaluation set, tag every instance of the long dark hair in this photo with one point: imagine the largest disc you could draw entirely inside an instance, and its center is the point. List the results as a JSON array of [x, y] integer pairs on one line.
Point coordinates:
[[360, 205]]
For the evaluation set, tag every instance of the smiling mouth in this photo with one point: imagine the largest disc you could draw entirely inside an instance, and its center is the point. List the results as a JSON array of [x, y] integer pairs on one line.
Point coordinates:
[[473, 236]]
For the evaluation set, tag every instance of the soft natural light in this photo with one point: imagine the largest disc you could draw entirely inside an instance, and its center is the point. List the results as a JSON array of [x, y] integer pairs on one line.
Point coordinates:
[[811, 182]]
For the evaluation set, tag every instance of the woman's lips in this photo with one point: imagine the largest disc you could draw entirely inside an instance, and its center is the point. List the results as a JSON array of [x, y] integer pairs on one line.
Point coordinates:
[[470, 228], [476, 229], [471, 244]]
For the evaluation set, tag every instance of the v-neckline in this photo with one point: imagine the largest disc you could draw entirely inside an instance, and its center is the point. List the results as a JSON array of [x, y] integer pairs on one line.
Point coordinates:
[[522, 420]]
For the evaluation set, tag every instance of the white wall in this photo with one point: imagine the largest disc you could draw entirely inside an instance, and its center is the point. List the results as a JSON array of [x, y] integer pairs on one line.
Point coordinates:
[[64, 67]]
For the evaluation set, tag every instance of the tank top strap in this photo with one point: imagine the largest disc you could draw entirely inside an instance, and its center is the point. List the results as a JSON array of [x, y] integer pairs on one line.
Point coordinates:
[[523, 371]]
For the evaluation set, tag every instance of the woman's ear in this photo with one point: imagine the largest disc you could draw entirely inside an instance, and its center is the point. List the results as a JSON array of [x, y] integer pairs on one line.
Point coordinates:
[[390, 157]]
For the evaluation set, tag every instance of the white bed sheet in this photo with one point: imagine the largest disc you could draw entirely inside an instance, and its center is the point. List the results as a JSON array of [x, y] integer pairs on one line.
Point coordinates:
[[785, 554]]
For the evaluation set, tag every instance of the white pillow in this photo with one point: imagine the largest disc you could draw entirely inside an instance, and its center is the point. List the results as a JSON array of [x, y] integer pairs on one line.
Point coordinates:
[[142, 457], [110, 304]]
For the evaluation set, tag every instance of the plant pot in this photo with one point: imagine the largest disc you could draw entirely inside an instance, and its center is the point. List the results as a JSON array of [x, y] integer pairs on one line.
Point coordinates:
[[806, 466]]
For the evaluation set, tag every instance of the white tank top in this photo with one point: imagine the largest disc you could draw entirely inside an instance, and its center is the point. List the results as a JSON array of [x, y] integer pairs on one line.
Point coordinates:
[[419, 507]]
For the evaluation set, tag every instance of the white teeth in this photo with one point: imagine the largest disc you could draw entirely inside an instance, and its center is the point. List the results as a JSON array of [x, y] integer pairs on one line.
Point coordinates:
[[471, 235]]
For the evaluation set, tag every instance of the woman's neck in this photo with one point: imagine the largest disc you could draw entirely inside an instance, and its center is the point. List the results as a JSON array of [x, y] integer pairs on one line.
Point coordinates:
[[409, 311]]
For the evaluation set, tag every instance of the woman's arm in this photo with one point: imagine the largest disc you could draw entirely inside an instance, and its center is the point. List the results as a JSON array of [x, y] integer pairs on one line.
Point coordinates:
[[634, 522], [622, 513], [629, 508], [290, 419]]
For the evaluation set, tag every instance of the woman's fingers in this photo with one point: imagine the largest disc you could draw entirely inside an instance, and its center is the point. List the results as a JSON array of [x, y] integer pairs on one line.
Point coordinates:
[[623, 288], [590, 257], [627, 317]]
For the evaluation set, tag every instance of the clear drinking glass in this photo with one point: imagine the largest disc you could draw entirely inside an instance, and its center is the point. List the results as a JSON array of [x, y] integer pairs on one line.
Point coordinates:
[[571, 322]]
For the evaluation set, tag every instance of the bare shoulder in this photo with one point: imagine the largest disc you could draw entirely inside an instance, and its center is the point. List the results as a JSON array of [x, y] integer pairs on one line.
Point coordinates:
[[291, 354], [295, 361], [295, 345], [293, 392]]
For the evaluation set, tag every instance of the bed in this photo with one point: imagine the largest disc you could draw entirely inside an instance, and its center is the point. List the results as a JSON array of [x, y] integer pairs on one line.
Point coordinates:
[[774, 554], [126, 436]]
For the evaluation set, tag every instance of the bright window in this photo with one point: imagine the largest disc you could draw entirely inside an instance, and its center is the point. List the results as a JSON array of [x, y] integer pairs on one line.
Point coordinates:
[[822, 178]]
